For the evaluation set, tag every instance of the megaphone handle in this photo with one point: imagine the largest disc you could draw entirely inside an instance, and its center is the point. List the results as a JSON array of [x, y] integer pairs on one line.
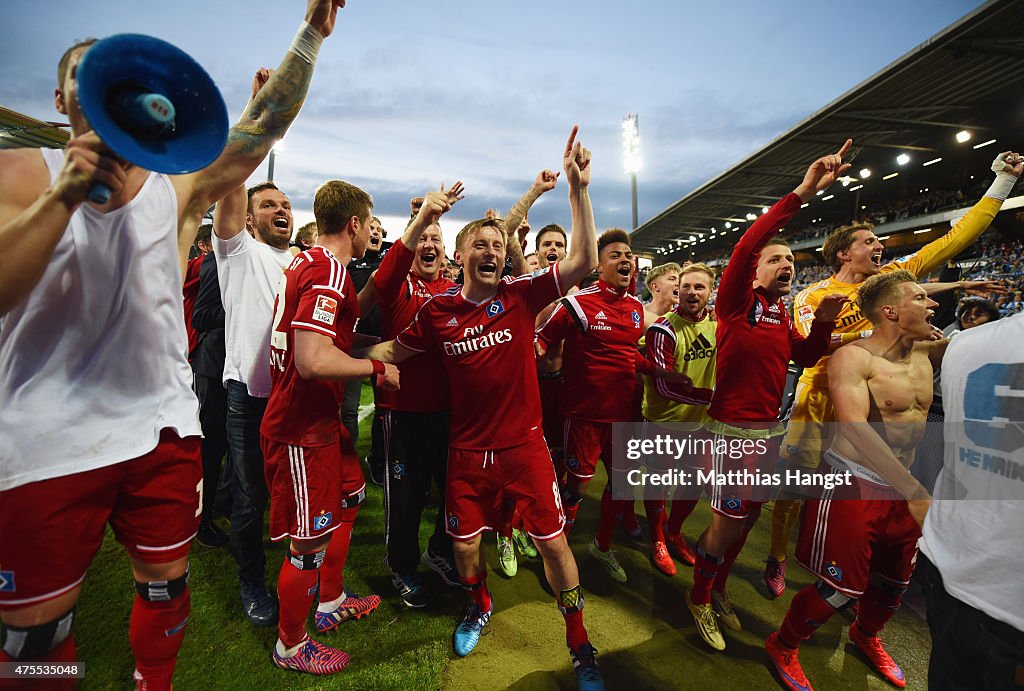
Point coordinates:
[[99, 194]]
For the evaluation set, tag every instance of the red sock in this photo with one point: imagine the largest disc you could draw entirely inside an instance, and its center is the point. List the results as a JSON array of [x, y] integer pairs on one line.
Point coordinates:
[[65, 652], [155, 632], [570, 516], [332, 572], [705, 568], [655, 510], [876, 608], [477, 587], [610, 510], [726, 566], [807, 613], [681, 508], [628, 513], [295, 590]]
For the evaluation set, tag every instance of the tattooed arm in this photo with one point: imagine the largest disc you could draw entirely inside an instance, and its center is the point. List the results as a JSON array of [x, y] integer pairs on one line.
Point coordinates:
[[545, 182], [264, 122]]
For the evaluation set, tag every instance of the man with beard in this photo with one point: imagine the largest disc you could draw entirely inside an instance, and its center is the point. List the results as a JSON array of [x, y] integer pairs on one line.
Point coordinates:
[[683, 341], [249, 268], [417, 416], [756, 340], [861, 540], [855, 253], [497, 450]]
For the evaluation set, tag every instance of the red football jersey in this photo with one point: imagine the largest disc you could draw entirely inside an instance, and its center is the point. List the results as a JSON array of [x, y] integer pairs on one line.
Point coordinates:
[[756, 337], [600, 327], [190, 291], [400, 294], [316, 293], [487, 351]]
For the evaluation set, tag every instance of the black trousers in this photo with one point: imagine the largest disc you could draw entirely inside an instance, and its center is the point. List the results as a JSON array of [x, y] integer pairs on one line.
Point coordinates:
[[971, 651], [213, 414], [416, 447]]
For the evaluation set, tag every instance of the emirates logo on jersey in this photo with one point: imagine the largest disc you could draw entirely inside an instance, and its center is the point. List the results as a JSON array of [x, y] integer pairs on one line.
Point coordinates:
[[477, 342]]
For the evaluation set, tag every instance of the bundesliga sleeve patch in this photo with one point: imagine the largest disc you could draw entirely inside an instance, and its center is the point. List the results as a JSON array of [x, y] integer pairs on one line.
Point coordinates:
[[326, 310], [805, 313]]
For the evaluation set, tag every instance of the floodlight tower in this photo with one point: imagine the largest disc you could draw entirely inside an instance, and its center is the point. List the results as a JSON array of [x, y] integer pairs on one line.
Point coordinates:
[[631, 154]]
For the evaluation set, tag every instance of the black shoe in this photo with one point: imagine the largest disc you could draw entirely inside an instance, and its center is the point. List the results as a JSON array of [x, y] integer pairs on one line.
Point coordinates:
[[376, 471], [210, 535], [410, 587], [259, 605]]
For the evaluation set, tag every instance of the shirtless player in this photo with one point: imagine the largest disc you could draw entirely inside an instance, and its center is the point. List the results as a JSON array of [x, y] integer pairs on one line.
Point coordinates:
[[864, 546]]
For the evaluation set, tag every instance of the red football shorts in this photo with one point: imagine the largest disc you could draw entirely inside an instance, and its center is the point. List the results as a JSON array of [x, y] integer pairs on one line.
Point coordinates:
[[584, 442], [481, 482], [309, 486], [53, 528], [844, 541], [735, 462]]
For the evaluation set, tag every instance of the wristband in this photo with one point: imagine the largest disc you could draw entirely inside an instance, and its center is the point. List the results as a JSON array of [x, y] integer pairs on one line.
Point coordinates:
[[306, 43], [1004, 182], [378, 373]]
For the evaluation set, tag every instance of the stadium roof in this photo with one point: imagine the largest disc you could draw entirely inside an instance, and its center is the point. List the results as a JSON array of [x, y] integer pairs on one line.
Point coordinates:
[[18, 131], [967, 77]]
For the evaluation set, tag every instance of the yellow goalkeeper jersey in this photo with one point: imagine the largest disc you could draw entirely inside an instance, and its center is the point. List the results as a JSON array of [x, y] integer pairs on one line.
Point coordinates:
[[921, 263]]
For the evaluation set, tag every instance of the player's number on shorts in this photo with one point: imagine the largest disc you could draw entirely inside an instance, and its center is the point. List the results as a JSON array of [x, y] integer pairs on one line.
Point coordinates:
[[279, 339], [199, 491]]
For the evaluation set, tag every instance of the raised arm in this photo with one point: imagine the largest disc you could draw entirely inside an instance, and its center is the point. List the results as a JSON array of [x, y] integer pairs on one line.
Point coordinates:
[[229, 215], [849, 370], [545, 182], [1007, 166], [386, 282], [268, 116], [582, 257], [734, 289]]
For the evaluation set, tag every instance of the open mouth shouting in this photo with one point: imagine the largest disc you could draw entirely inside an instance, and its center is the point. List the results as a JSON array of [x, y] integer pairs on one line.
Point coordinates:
[[487, 269], [281, 223], [428, 257], [551, 257], [625, 270], [876, 258], [785, 278]]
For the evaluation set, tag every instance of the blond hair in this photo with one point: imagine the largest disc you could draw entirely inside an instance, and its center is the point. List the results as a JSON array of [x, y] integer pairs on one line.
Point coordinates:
[[881, 290], [840, 240]]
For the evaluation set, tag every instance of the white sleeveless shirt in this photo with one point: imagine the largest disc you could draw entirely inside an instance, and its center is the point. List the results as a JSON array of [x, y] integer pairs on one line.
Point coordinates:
[[92, 362]]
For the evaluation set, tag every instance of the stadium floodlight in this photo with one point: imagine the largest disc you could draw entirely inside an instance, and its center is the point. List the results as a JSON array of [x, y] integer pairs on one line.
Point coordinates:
[[764, 209], [925, 230], [751, 217], [728, 224], [865, 173], [855, 188], [889, 176], [931, 162], [963, 136], [903, 159], [978, 146], [825, 199], [631, 154], [804, 205]]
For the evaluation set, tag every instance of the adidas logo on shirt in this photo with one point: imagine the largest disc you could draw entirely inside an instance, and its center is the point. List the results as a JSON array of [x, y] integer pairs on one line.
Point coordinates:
[[700, 348], [600, 315], [452, 322]]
